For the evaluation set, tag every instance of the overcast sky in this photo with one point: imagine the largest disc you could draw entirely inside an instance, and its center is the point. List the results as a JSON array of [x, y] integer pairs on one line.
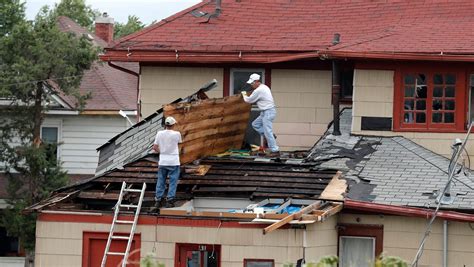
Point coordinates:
[[146, 10]]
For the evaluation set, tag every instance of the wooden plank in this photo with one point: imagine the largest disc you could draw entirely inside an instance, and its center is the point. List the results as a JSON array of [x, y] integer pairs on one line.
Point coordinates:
[[294, 216], [225, 189], [249, 183], [256, 178], [273, 173], [200, 170], [335, 189], [215, 214]]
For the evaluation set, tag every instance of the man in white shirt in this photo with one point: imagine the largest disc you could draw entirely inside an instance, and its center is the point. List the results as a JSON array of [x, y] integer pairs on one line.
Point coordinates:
[[263, 124], [166, 143]]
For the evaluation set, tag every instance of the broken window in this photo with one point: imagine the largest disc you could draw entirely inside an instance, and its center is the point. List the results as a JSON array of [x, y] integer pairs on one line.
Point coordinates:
[[239, 78], [430, 99]]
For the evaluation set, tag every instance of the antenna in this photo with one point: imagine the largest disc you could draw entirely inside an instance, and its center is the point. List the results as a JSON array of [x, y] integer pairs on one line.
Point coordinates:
[[445, 195]]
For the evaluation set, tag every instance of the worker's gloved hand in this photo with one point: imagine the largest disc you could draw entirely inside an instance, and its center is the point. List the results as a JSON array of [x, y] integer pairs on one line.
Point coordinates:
[[243, 93]]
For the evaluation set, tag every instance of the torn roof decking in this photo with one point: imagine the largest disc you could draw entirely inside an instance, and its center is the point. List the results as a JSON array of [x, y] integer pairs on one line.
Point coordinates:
[[229, 179], [390, 170], [207, 126]]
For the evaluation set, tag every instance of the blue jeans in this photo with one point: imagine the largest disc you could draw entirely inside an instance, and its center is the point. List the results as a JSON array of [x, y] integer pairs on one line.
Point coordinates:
[[263, 124], [163, 172]]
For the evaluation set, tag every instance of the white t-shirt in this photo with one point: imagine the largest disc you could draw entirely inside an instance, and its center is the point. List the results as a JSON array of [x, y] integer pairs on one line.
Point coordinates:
[[263, 96], [167, 141]]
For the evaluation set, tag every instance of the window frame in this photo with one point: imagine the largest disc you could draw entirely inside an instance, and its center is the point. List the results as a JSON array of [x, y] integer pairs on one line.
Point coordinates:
[[272, 261], [231, 76], [459, 124], [195, 246], [361, 230]]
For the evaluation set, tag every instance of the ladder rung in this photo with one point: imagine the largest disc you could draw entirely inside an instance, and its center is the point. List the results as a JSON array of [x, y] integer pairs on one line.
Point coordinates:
[[120, 237], [124, 222], [133, 190], [128, 206], [116, 253]]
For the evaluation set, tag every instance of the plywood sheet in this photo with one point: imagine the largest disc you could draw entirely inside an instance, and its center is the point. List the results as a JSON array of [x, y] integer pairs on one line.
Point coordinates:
[[210, 126]]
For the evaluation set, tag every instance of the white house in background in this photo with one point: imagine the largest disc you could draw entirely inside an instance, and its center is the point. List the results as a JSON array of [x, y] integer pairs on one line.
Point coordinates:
[[80, 133]]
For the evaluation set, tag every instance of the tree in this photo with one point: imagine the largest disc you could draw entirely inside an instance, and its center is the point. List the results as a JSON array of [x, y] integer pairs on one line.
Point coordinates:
[[133, 25], [11, 13], [37, 60], [78, 11]]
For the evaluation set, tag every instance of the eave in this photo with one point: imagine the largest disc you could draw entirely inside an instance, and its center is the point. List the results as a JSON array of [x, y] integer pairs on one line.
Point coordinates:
[[406, 211], [274, 56]]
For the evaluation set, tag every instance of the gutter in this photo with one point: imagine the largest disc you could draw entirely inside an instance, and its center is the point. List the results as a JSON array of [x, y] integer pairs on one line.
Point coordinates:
[[407, 211], [270, 57]]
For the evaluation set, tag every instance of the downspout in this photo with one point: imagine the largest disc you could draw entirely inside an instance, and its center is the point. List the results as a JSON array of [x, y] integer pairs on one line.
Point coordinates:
[[138, 84], [445, 243], [336, 89]]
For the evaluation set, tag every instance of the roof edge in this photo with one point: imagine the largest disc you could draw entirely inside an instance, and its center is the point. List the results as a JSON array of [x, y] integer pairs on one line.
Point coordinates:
[[206, 57], [407, 211], [400, 56]]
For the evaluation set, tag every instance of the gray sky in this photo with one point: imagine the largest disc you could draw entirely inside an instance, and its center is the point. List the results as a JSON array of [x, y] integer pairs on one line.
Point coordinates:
[[146, 10]]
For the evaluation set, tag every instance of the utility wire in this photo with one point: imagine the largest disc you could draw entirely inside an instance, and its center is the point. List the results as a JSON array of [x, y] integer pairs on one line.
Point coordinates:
[[452, 171]]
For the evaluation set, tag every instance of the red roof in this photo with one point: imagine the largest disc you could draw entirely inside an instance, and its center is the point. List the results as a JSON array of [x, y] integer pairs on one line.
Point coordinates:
[[296, 26], [111, 89]]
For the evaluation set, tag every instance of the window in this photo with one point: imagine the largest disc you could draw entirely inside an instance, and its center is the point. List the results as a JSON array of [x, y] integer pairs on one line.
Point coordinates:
[[258, 263], [197, 255], [346, 82], [359, 245], [239, 78], [430, 99], [49, 135]]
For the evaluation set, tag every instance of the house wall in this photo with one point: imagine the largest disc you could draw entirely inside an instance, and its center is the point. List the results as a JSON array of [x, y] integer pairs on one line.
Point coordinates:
[[303, 98], [373, 97], [81, 135], [402, 236], [60, 243], [162, 85]]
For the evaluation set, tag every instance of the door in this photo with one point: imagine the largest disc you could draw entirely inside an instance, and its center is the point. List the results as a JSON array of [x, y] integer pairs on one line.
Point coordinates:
[[197, 255], [94, 246]]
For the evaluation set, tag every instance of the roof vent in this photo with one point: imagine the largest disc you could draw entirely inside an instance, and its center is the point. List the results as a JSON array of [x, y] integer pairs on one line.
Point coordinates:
[[336, 39]]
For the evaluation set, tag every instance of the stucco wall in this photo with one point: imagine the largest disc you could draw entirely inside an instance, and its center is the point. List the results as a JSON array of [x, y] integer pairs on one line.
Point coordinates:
[[373, 96], [303, 98], [162, 85], [402, 236], [60, 243]]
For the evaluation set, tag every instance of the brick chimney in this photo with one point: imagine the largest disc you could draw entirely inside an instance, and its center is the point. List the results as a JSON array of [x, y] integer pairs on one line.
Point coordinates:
[[104, 27]]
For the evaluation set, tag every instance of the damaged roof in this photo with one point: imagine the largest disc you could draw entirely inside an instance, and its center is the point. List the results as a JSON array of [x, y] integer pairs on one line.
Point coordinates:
[[391, 28], [390, 170]]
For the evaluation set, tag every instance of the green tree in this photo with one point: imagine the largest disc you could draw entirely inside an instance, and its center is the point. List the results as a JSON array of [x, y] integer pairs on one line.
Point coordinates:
[[11, 13], [33, 57], [133, 25], [78, 11]]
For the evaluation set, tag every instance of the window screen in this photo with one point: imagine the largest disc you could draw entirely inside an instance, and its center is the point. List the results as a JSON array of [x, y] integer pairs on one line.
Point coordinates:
[[356, 251]]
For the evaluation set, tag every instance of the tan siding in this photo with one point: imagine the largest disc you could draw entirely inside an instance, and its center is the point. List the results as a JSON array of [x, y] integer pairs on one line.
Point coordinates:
[[162, 85], [303, 99], [64, 241], [373, 96], [402, 237]]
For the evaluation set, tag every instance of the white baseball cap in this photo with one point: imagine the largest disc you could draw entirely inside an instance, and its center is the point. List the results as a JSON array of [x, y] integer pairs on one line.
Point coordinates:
[[254, 77], [170, 121]]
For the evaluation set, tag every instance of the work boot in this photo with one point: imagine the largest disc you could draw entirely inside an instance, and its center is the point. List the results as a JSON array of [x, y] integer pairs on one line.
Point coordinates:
[[158, 203], [169, 203]]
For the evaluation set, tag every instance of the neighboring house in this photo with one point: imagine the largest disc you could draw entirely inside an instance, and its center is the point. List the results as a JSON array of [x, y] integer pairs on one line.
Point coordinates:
[[80, 133], [404, 68]]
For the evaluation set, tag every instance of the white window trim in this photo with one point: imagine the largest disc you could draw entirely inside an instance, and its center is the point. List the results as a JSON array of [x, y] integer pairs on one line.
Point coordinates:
[[57, 124], [231, 79], [358, 237]]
